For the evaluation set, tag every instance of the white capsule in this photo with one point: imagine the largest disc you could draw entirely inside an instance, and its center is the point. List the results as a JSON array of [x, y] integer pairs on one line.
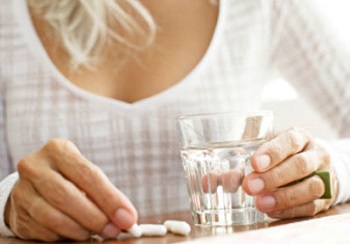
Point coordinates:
[[153, 230], [135, 230], [178, 227]]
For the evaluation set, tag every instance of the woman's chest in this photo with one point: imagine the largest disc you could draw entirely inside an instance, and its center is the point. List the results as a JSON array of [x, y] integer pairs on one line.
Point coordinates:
[[129, 75]]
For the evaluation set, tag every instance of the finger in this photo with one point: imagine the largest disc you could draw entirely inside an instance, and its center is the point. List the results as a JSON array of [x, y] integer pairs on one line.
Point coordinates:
[[60, 193], [304, 210], [38, 210], [306, 191], [292, 169], [89, 178], [32, 230], [273, 152], [210, 182], [231, 180], [68, 199], [56, 221], [21, 222]]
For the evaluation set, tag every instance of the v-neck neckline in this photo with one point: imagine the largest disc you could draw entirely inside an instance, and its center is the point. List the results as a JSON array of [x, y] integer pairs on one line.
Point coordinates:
[[21, 9]]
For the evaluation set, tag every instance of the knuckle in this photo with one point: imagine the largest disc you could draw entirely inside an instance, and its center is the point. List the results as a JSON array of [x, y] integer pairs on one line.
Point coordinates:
[[303, 164], [55, 144], [323, 154], [316, 187], [59, 146], [295, 139], [275, 151], [88, 173], [26, 168]]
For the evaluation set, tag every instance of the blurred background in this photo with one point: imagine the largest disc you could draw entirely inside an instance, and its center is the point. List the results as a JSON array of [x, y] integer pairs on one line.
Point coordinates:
[[289, 107]]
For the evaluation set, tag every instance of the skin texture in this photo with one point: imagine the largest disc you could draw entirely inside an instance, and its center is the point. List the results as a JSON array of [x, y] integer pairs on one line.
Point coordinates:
[[58, 194], [60, 191], [185, 31], [289, 157]]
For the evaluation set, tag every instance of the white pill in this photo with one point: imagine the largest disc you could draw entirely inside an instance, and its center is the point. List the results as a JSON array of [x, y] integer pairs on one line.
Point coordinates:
[[178, 227], [153, 230], [135, 230]]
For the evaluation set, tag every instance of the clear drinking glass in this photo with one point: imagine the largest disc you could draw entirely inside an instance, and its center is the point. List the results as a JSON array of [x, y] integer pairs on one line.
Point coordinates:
[[215, 152]]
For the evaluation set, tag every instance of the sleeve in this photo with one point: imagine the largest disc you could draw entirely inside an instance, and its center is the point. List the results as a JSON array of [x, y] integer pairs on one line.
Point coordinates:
[[6, 183], [305, 53], [6, 186], [340, 154]]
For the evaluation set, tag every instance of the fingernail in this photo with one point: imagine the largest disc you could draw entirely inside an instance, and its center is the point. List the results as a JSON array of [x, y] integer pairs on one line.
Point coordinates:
[[263, 161], [124, 219], [267, 203], [256, 185], [110, 231]]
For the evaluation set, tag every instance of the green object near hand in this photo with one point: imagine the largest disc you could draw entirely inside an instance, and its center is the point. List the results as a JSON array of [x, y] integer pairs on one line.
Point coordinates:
[[326, 178]]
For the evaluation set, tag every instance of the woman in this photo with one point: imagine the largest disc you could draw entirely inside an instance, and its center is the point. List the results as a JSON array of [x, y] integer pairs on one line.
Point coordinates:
[[90, 91]]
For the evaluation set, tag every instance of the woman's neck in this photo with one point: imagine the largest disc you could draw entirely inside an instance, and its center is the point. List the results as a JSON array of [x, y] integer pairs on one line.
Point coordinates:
[[185, 29]]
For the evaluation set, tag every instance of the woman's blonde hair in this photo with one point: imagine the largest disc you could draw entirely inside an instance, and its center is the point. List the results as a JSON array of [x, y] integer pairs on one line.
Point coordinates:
[[84, 26]]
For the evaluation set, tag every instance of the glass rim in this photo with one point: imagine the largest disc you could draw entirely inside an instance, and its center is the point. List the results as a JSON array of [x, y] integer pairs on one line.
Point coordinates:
[[230, 113]]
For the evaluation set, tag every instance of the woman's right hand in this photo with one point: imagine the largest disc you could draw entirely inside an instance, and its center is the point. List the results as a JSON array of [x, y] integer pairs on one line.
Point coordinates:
[[61, 195]]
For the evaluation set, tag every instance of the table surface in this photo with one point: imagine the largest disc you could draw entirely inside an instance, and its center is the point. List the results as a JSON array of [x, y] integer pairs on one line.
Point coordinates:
[[197, 231]]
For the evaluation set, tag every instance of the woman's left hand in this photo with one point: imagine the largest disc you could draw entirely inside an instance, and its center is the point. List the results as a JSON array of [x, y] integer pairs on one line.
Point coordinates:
[[279, 165]]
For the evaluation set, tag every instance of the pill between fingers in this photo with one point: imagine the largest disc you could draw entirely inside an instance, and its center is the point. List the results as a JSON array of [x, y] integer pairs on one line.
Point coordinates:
[[178, 227], [153, 230]]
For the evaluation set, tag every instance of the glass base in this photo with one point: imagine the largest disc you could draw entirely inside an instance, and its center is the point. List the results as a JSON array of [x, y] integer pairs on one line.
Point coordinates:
[[228, 217]]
